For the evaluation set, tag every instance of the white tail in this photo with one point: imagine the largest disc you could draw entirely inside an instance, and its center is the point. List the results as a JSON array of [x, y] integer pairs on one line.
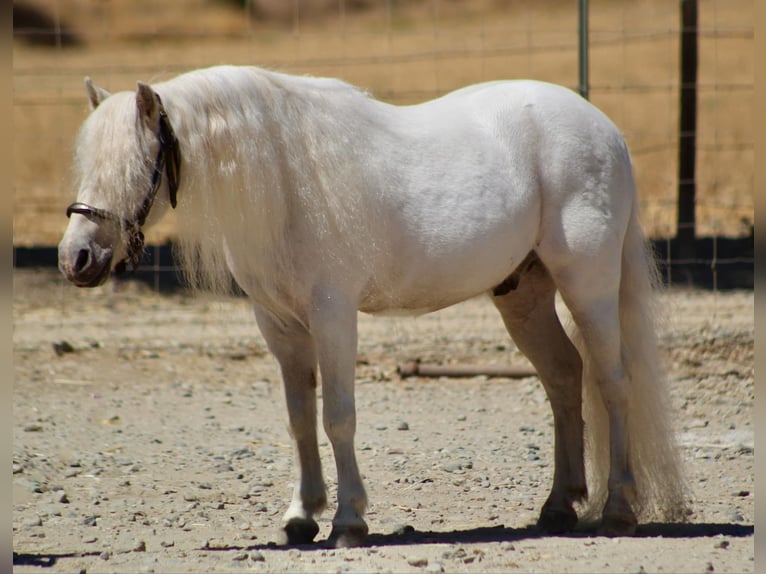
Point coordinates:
[[654, 457]]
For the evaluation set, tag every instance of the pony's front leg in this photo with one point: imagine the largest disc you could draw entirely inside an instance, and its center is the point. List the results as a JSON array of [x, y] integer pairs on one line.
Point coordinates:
[[293, 348], [333, 324]]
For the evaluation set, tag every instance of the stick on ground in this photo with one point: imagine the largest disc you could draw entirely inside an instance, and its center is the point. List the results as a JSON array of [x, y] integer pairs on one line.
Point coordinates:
[[417, 369]]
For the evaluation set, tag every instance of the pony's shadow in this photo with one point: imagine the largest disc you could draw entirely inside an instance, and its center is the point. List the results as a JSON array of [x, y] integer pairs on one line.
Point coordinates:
[[46, 559], [408, 536]]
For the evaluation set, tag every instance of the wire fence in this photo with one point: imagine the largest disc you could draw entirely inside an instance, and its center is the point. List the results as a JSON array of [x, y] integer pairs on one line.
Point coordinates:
[[405, 52]]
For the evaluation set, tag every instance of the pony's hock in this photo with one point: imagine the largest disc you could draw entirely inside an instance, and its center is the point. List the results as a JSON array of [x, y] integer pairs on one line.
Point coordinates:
[[321, 201]]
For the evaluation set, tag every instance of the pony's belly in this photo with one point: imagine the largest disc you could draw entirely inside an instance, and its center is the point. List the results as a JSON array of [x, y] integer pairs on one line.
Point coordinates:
[[422, 288], [406, 306]]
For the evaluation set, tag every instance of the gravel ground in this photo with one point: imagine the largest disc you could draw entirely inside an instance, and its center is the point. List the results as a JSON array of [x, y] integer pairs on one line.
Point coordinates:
[[149, 435]]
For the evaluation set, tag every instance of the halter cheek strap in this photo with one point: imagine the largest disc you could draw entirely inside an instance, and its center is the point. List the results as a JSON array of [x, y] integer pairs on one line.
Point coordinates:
[[168, 161], [171, 154]]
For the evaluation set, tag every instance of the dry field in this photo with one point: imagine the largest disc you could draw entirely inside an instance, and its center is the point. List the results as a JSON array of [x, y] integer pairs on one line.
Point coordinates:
[[406, 52]]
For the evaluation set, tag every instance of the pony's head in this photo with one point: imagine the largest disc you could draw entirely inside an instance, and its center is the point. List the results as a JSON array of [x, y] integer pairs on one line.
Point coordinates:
[[127, 166]]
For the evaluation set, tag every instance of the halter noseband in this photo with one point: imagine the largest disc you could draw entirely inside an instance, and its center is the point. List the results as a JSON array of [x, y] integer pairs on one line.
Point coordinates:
[[169, 161]]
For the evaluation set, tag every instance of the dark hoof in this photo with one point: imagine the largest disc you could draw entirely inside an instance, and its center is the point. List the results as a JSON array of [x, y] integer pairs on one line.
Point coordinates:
[[557, 520], [348, 537], [300, 531], [613, 525]]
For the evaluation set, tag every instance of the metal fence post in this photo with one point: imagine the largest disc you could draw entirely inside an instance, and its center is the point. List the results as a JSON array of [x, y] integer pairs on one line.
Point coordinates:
[[687, 137], [584, 87]]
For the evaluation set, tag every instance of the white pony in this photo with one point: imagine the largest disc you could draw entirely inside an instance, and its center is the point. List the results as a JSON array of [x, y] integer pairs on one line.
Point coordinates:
[[320, 201]]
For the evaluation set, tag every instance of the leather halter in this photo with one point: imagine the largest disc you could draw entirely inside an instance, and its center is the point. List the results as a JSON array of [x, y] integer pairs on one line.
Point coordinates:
[[168, 161]]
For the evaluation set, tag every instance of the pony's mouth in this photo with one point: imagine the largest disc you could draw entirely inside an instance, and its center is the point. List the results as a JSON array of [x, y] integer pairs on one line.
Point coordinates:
[[92, 281], [85, 270]]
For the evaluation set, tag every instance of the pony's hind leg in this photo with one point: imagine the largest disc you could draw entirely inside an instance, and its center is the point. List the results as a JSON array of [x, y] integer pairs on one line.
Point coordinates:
[[293, 348], [594, 304], [527, 305]]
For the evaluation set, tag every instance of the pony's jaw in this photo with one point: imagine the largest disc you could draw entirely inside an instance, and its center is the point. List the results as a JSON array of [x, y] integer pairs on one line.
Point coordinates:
[[83, 260]]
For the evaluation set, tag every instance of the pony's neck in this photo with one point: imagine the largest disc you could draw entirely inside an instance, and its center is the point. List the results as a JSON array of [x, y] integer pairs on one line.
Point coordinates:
[[264, 155]]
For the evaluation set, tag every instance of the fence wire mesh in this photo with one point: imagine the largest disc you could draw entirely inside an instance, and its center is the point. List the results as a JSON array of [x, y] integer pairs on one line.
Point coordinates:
[[403, 51]]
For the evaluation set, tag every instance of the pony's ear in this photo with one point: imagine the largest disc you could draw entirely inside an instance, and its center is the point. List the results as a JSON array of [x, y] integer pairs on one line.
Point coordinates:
[[96, 95], [153, 115], [149, 106]]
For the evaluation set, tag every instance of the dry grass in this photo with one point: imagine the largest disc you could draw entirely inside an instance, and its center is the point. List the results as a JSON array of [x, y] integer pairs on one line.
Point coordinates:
[[406, 52]]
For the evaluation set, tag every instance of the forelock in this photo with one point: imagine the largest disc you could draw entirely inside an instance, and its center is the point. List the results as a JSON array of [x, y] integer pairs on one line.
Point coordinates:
[[111, 153]]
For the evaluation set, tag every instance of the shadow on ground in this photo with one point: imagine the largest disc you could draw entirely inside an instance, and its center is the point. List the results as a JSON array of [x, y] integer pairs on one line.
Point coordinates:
[[408, 536]]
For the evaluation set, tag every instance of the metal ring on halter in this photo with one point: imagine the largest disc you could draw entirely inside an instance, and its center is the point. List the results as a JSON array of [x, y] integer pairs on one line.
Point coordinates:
[[92, 213]]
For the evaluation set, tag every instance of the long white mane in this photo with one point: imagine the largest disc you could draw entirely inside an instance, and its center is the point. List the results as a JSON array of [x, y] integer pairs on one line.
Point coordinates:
[[265, 154]]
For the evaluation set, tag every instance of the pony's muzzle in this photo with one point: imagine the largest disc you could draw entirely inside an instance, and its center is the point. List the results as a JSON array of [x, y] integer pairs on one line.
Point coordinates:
[[85, 266]]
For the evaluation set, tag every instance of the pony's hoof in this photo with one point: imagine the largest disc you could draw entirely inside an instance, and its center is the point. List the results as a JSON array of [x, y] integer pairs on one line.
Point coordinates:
[[300, 531], [348, 537], [557, 520], [618, 525]]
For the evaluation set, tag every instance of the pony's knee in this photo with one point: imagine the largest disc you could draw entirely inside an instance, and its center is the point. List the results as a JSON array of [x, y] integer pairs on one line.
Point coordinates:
[[339, 419]]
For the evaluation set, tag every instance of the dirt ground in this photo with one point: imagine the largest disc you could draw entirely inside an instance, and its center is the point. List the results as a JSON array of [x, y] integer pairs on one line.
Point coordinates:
[[150, 436]]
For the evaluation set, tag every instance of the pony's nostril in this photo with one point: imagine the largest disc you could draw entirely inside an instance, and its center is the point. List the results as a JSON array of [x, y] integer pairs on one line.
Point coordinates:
[[83, 258]]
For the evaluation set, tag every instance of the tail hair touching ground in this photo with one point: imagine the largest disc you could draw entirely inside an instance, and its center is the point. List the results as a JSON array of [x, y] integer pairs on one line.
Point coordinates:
[[661, 487]]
